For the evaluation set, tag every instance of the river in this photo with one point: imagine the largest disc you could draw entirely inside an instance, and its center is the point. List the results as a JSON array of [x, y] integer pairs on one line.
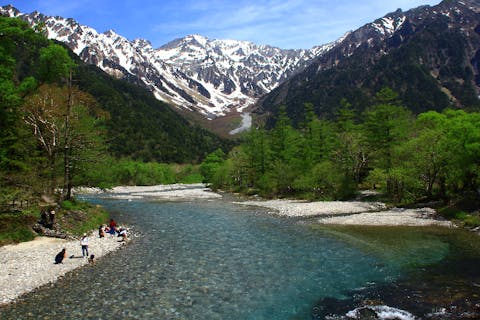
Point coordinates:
[[211, 259]]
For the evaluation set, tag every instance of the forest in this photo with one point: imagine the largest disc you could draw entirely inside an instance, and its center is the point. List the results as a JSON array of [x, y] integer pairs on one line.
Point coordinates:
[[432, 156]]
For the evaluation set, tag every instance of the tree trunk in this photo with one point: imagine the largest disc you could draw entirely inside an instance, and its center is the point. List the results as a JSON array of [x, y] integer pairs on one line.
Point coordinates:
[[67, 188], [53, 180]]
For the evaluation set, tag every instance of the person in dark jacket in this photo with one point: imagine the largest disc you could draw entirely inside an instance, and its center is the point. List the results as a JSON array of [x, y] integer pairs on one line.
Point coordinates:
[[60, 256]]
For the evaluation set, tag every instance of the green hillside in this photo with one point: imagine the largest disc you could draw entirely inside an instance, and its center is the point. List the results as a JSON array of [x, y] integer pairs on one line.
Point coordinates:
[[143, 127]]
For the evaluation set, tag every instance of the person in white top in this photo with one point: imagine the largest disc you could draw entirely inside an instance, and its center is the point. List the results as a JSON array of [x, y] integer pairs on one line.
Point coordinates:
[[84, 244]]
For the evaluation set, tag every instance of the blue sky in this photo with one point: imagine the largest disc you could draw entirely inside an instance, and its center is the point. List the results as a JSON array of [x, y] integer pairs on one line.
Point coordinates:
[[286, 24]]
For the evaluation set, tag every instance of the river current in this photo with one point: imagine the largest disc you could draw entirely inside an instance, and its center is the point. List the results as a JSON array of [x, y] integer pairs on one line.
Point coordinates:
[[216, 260]]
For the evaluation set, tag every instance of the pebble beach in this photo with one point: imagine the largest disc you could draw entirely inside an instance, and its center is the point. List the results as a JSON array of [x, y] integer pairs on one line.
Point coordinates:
[[353, 213], [29, 265]]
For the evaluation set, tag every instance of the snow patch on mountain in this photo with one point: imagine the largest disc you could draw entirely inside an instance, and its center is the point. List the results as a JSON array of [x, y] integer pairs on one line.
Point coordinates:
[[388, 25]]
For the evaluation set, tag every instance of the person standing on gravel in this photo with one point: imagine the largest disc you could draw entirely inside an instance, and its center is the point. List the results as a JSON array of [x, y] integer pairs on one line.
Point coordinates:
[[84, 244]]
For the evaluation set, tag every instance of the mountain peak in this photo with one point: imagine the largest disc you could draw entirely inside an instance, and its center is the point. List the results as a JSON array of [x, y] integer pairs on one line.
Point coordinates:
[[10, 10], [412, 52], [142, 43], [111, 33], [211, 77], [196, 37]]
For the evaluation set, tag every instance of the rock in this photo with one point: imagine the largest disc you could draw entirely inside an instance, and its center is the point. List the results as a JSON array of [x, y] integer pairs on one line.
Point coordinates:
[[366, 314], [54, 233], [49, 201]]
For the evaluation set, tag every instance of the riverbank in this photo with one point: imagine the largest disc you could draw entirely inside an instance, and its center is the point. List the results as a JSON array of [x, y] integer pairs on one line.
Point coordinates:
[[170, 192], [325, 212], [29, 265], [353, 213]]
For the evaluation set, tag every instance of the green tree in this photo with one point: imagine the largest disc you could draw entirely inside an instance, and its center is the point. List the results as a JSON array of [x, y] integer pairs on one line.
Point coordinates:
[[386, 125], [44, 114], [254, 157], [19, 159], [55, 64], [287, 147], [351, 152], [426, 154], [279, 135], [463, 143], [318, 137], [441, 159], [86, 142], [211, 164], [9, 101]]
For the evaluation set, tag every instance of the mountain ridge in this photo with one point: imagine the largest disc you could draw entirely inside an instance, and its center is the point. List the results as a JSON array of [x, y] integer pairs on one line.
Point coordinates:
[[134, 124], [217, 78], [211, 77], [429, 55]]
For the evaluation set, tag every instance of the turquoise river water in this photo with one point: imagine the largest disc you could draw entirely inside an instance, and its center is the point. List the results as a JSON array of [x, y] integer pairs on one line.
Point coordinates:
[[217, 260]]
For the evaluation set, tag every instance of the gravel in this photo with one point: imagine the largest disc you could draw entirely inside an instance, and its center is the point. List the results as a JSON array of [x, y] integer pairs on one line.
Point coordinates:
[[159, 192], [354, 213], [28, 265]]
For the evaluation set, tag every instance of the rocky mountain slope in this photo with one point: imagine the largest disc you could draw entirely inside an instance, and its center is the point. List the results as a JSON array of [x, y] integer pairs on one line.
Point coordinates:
[[212, 77], [429, 55]]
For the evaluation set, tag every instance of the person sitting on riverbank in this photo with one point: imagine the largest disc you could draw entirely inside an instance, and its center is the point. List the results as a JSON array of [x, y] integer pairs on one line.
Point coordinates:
[[101, 232], [60, 256], [113, 227], [91, 259], [122, 232]]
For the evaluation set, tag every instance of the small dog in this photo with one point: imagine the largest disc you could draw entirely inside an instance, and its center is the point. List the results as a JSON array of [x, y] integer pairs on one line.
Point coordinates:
[[91, 259]]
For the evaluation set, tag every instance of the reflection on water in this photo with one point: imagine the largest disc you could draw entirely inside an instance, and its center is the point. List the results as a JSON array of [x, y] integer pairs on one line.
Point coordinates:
[[214, 260]]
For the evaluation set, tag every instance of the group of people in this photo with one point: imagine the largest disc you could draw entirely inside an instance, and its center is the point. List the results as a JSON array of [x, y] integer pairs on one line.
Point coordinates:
[[47, 218], [112, 229], [84, 244]]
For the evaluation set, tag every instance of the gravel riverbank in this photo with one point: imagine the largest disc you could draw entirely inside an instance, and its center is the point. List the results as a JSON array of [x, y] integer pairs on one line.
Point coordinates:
[[170, 192], [29, 265], [353, 213]]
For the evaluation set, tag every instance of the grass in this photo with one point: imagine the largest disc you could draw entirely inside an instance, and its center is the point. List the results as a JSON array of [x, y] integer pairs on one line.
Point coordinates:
[[74, 217], [460, 217], [15, 228], [78, 217]]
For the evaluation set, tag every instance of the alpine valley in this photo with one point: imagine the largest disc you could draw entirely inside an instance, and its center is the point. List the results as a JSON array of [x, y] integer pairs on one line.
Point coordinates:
[[429, 55], [354, 192]]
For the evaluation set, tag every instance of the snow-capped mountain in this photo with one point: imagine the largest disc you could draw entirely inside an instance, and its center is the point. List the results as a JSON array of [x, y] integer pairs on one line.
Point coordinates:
[[216, 77], [212, 77], [429, 55]]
